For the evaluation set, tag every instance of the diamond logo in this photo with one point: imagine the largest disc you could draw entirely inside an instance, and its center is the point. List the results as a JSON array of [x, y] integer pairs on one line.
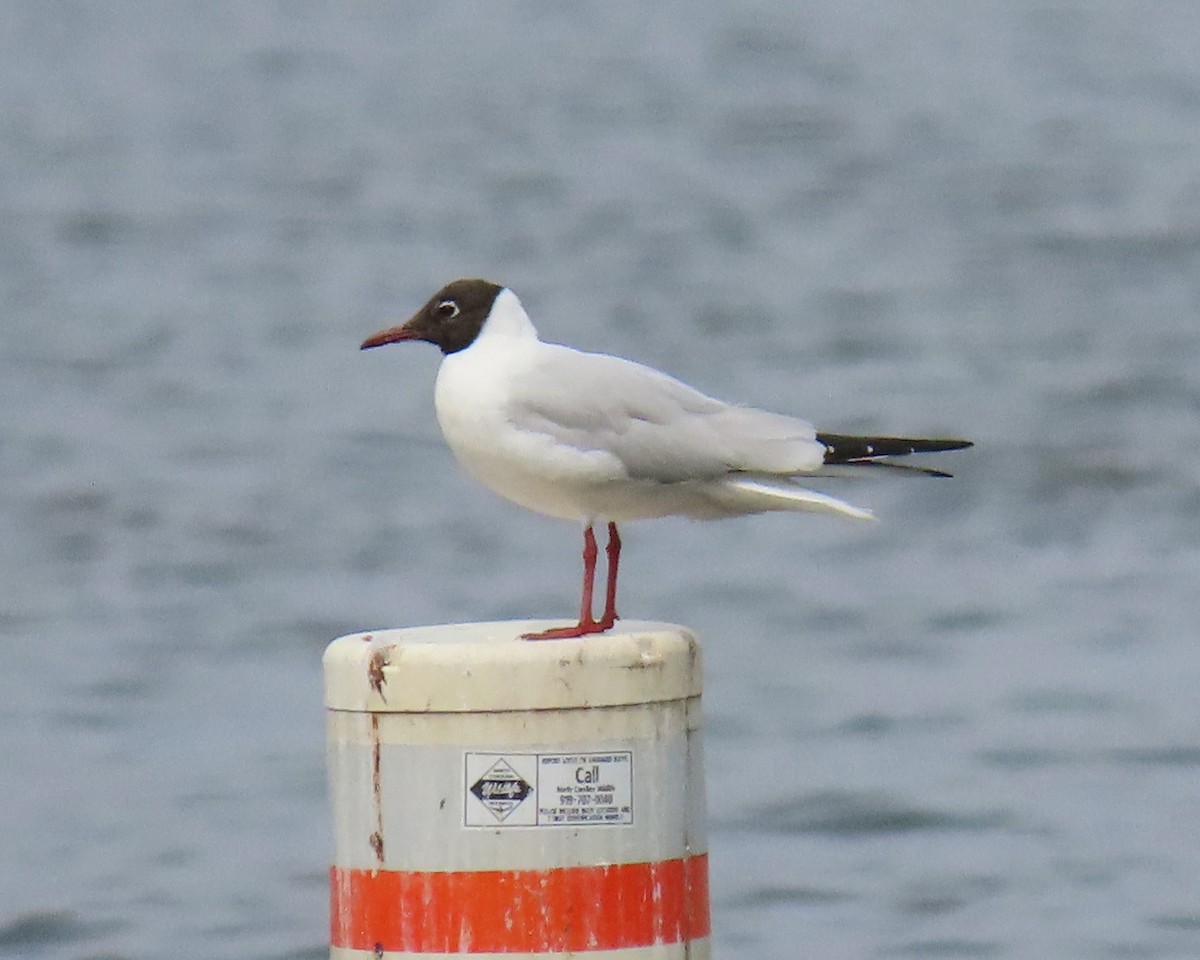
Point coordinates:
[[501, 789]]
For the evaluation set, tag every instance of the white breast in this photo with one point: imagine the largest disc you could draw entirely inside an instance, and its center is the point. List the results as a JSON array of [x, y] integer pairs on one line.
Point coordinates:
[[472, 401]]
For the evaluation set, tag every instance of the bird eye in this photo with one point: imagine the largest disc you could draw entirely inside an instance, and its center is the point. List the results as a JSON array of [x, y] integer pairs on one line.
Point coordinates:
[[447, 309]]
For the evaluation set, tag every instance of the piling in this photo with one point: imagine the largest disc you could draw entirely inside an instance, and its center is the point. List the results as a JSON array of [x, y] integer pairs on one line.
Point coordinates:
[[494, 795]]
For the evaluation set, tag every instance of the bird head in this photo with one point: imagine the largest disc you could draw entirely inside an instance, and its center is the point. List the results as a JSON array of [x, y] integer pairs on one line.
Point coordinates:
[[451, 319]]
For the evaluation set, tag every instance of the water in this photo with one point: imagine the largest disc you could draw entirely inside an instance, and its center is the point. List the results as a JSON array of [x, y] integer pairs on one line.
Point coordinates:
[[967, 731]]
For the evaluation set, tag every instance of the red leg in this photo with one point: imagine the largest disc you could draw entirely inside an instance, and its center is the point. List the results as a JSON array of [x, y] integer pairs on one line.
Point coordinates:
[[586, 624], [610, 594], [589, 576]]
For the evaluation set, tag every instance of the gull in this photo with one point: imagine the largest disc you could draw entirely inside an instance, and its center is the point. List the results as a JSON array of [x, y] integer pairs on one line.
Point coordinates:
[[598, 439]]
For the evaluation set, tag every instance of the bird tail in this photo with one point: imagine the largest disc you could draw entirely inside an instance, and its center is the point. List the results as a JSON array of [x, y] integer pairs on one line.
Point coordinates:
[[761, 492], [842, 450]]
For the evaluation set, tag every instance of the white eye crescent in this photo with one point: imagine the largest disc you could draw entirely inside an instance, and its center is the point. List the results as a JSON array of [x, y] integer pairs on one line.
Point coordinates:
[[447, 309]]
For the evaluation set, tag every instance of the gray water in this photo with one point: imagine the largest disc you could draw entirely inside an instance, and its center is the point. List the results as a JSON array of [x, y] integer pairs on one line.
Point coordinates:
[[970, 730]]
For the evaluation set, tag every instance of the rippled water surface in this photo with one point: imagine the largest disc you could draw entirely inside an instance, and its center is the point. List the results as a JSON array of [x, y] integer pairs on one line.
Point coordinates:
[[968, 731]]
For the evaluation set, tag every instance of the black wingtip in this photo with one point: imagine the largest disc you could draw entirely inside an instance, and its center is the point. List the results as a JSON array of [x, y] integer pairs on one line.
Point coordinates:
[[842, 449]]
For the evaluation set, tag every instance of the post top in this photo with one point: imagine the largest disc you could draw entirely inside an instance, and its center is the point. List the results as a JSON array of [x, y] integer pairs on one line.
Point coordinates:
[[485, 667]]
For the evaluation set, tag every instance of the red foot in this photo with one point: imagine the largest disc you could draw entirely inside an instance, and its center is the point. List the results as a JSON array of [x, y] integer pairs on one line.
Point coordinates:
[[569, 633]]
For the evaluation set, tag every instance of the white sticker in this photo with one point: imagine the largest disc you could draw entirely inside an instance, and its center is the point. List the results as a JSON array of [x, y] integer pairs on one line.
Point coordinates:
[[548, 789], [585, 788]]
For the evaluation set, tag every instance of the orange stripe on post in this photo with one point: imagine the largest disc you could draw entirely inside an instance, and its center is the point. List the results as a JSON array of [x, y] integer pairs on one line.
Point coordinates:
[[504, 911]]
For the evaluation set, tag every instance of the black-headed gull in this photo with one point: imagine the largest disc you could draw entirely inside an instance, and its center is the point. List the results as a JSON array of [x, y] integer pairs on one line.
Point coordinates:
[[594, 438]]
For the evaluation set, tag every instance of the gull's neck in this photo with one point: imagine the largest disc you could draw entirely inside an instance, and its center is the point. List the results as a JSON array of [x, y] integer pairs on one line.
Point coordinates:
[[507, 322]]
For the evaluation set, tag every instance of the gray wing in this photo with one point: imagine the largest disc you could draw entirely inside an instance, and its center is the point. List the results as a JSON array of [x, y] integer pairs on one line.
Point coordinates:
[[657, 427]]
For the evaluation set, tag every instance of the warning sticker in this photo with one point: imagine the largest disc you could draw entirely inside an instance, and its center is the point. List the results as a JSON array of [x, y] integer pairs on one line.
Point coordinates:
[[585, 788], [548, 789]]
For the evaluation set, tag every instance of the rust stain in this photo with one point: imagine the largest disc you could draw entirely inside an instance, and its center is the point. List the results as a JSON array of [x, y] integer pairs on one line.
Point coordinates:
[[375, 674], [368, 637], [376, 838]]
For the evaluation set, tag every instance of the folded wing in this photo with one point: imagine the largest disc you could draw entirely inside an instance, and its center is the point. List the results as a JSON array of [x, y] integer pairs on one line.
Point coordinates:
[[657, 427]]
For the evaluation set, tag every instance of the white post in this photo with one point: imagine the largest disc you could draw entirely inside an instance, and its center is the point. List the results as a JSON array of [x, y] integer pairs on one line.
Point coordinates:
[[493, 795]]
